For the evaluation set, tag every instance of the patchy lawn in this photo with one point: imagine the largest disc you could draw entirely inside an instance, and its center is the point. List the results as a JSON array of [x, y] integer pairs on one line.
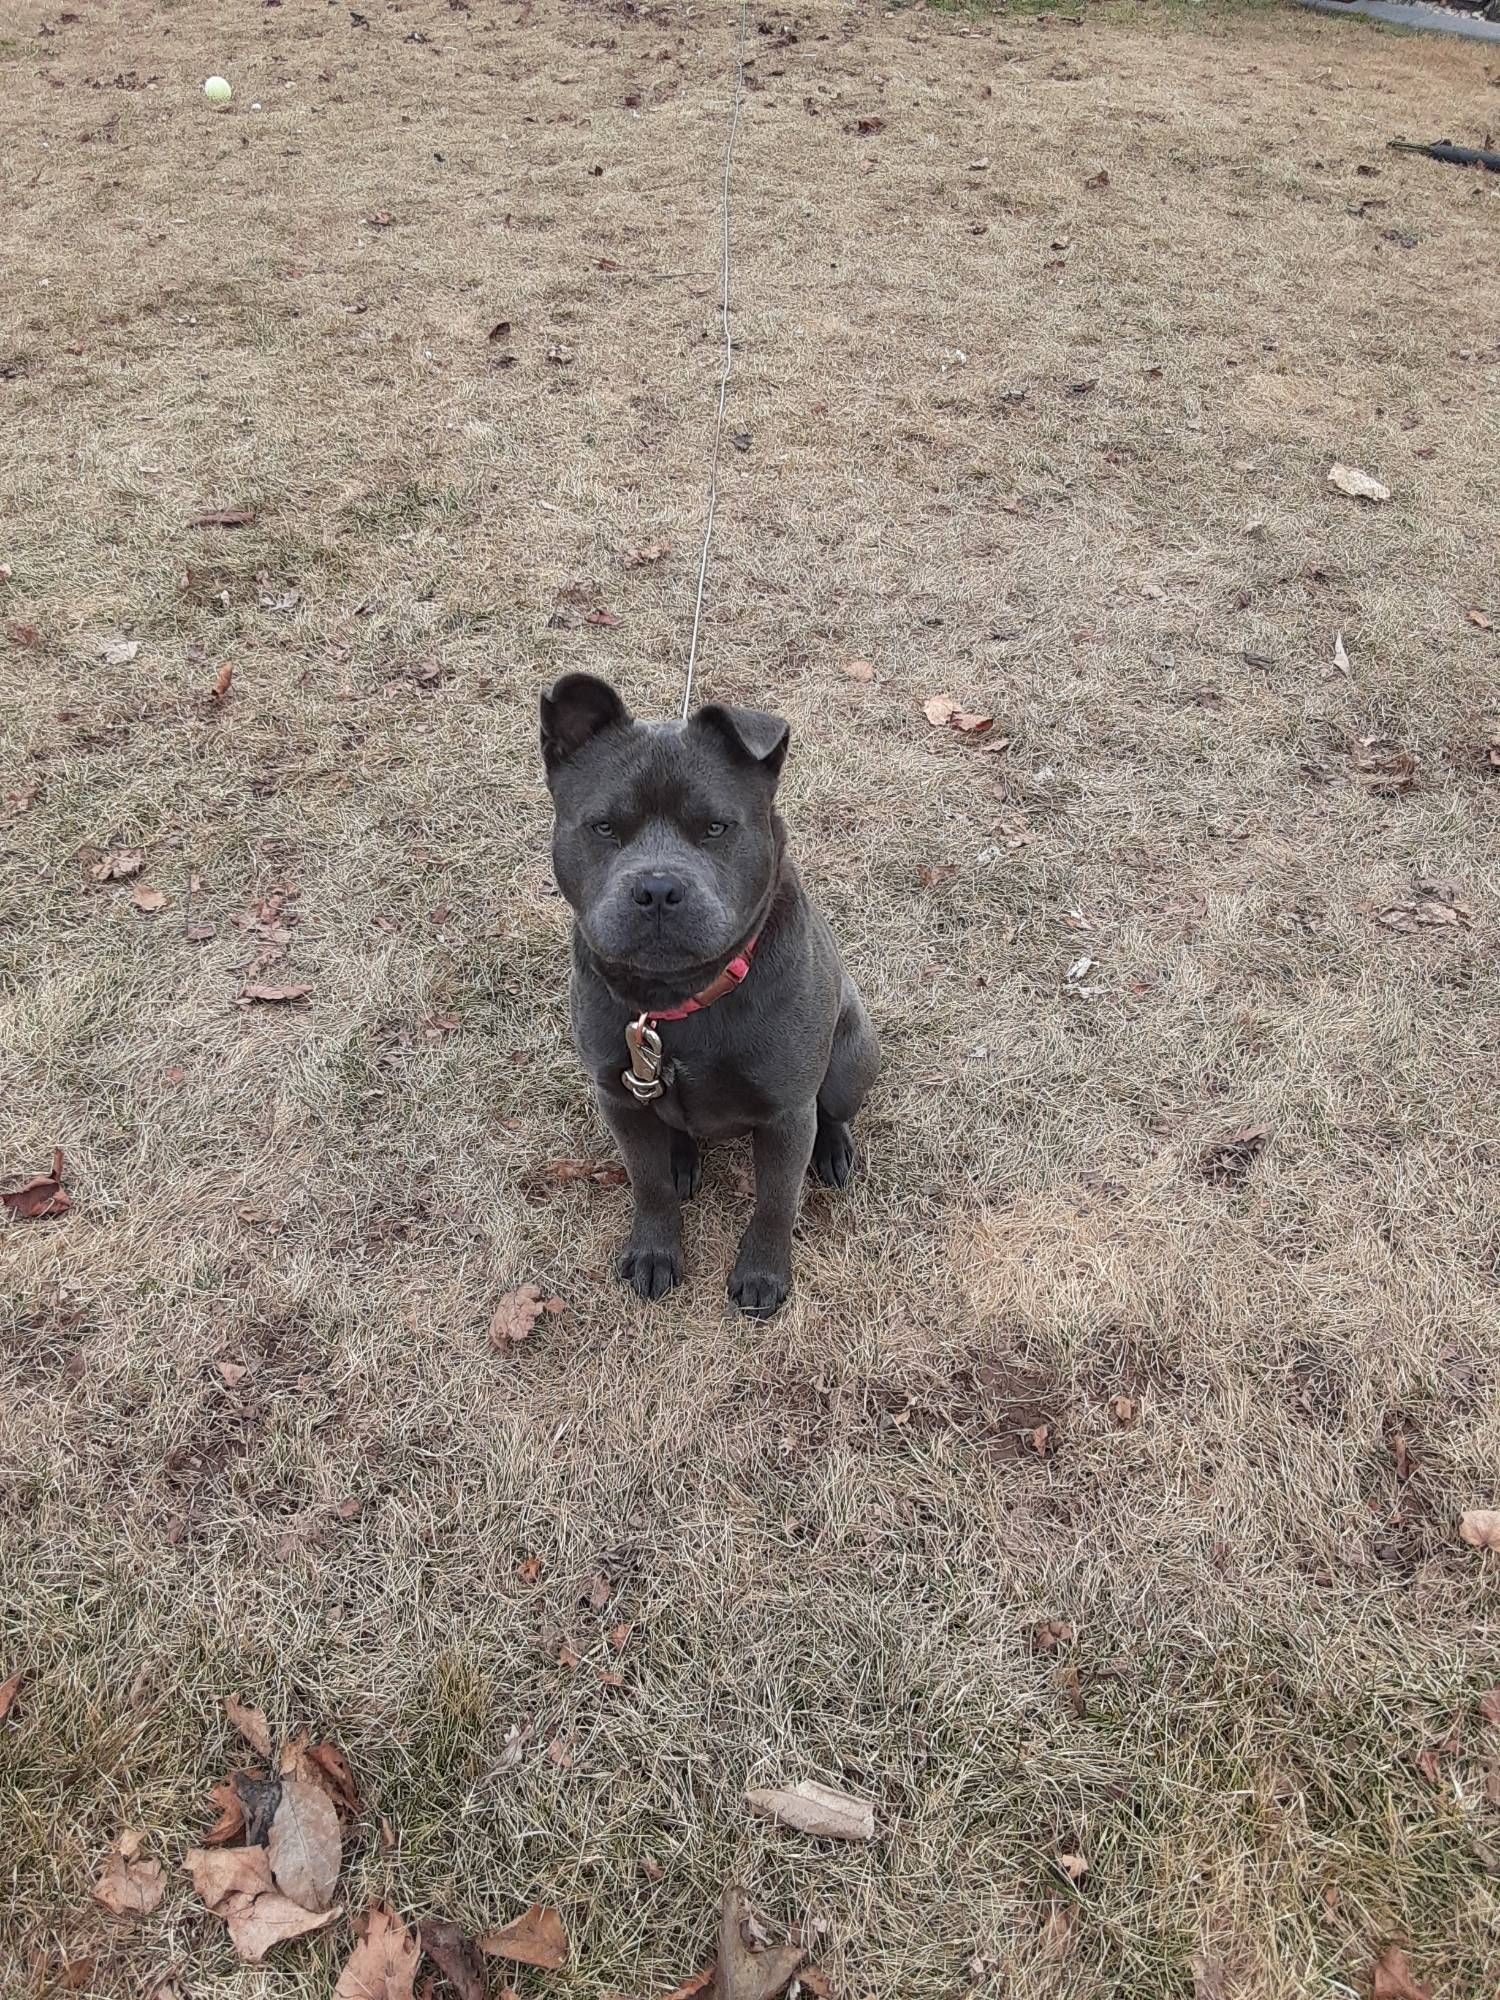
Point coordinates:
[[1054, 447]]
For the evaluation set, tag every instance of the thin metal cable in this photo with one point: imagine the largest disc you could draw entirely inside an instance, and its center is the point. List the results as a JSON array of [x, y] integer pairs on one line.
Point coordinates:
[[713, 471]]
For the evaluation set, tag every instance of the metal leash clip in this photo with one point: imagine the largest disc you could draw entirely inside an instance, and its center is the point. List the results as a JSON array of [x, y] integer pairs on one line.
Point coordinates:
[[643, 1078]]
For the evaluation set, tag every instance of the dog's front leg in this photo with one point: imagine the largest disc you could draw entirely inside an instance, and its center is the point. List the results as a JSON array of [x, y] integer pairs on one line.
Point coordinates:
[[762, 1274], [651, 1259]]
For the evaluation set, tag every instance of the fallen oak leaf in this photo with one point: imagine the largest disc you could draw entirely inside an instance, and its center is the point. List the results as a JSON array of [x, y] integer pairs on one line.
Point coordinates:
[[603, 1173], [1479, 618], [1480, 1528], [148, 900], [652, 552], [600, 616], [270, 995], [40, 1198], [251, 1723], [536, 1937], [129, 1887], [749, 1971], [229, 1821], [858, 670], [815, 1809], [119, 652], [119, 865], [304, 1844], [516, 1314], [236, 1885], [223, 681], [943, 712], [330, 1767], [383, 1964], [1392, 1978], [455, 1955], [1358, 485], [9, 1689]]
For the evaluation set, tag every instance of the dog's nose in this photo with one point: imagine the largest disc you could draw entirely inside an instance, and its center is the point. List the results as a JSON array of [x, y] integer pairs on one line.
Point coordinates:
[[657, 892]]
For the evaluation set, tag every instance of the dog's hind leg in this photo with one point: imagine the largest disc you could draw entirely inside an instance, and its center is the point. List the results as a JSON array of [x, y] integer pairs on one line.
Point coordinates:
[[852, 1067]]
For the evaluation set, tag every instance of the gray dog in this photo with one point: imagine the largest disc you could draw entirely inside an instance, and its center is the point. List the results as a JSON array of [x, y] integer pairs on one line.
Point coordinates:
[[708, 997]]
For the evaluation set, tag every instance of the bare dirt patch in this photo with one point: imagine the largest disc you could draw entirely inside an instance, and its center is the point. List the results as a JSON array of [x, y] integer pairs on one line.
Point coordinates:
[[1052, 447]]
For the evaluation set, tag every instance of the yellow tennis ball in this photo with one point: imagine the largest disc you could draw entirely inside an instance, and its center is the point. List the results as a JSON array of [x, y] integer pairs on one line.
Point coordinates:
[[217, 90]]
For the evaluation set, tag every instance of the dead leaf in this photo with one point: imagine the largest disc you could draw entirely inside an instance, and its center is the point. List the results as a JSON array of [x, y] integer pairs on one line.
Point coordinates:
[[456, 1956], [1227, 1161], [535, 1938], [75, 1975], [129, 1887], [1052, 1633], [251, 1723], [599, 1592], [383, 1964], [750, 1967], [381, 219], [1386, 767], [119, 866], [652, 552], [499, 331], [943, 712], [560, 1754], [119, 652], [1340, 656], [1480, 1528], [259, 1796], [1074, 1866], [857, 670], [933, 874], [1358, 485], [816, 1809], [1489, 1704], [1392, 1978], [45, 1196], [1479, 618], [305, 1844], [223, 682], [619, 1635], [516, 1314], [561, 357], [22, 635], [567, 1658], [148, 900], [9, 1690], [812, 1979], [603, 1173], [328, 1766], [235, 1883], [224, 517], [271, 995], [1405, 1464], [700, 1983], [229, 1823], [1124, 1410], [599, 616], [529, 1570]]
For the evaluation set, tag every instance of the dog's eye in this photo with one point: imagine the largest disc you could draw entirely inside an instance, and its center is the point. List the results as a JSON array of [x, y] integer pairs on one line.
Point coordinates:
[[714, 828], [604, 828]]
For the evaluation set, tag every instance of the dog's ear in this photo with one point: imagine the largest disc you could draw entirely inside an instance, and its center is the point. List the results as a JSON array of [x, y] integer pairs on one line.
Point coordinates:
[[574, 711], [752, 733]]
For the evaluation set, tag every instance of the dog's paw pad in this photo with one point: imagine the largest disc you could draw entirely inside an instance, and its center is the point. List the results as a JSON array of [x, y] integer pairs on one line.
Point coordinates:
[[651, 1272]]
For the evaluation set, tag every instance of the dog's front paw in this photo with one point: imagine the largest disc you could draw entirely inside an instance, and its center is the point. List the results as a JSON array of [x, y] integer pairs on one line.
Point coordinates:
[[652, 1268], [758, 1288]]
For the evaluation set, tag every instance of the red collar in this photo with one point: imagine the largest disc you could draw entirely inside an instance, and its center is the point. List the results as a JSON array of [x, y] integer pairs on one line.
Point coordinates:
[[734, 974]]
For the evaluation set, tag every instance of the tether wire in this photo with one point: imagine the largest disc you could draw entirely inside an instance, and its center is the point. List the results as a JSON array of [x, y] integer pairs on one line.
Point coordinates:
[[728, 369]]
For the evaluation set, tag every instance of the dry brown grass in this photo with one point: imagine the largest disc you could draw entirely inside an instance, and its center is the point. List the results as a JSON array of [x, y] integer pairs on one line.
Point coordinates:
[[833, 1536]]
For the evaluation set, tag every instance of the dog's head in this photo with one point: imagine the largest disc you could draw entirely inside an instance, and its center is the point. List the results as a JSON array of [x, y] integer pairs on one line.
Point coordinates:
[[665, 840]]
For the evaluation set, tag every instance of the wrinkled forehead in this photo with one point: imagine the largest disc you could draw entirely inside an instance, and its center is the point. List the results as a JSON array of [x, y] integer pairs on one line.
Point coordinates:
[[657, 770]]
